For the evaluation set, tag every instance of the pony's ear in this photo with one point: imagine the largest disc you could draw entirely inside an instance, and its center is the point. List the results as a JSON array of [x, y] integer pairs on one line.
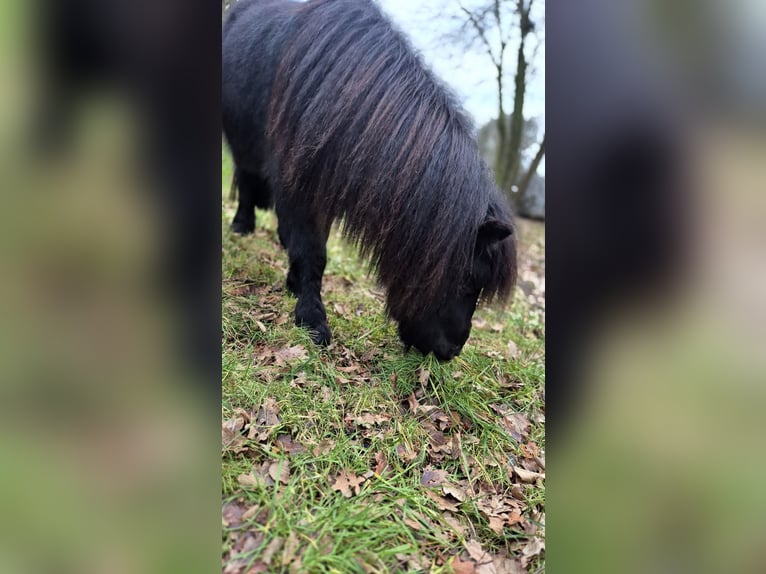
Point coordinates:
[[493, 230]]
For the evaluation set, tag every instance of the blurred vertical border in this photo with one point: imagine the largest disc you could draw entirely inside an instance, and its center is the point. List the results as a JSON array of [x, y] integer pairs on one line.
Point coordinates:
[[656, 323], [110, 265]]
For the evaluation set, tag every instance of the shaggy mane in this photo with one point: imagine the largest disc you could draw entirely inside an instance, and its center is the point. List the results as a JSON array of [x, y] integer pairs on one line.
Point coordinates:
[[358, 126]]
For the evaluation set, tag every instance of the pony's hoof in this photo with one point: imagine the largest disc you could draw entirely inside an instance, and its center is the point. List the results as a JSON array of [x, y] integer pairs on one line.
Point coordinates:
[[321, 335], [243, 227], [310, 314]]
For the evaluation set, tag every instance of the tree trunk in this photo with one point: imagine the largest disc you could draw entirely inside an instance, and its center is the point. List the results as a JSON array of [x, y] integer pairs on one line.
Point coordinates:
[[524, 183], [502, 138], [513, 157]]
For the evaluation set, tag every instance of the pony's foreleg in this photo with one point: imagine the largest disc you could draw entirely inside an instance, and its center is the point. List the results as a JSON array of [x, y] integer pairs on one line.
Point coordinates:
[[254, 192], [305, 242]]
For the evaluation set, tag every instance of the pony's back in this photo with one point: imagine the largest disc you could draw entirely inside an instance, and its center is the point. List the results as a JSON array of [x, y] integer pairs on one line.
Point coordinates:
[[254, 34], [363, 132]]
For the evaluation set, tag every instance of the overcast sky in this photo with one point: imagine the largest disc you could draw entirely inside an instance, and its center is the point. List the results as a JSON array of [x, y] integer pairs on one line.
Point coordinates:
[[469, 73]]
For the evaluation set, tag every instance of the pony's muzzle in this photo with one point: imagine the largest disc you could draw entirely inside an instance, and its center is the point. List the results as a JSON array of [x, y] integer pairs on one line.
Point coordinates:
[[447, 352]]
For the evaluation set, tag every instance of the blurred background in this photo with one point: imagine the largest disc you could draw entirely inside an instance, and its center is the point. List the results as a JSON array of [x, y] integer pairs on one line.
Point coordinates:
[[110, 330], [655, 387]]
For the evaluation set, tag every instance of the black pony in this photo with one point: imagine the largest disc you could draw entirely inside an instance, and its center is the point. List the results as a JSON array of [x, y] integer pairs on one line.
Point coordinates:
[[331, 116]]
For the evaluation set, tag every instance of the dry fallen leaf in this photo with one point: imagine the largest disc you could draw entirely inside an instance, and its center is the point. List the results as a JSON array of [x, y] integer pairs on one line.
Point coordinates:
[[533, 548], [369, 419], [406, 453], [257, 514], [516, 424], [250, 480], [496, 524], [265, 419], [271, 549], [438, 417], [433, 477], [462, 567], [232, 439], [323, 447], [286, 444], [514, 517], [413, 524], [423, 376], [381, 463], [412, 401], [476, 552], [291, 547], [288, 354], [438, 445], [454, 523], [455, 491], [457, 444], [503, 565], [347, 483], [259, 476], [232, 514], [412, 563], [442, 502], [238, 566], [279, 471], [300, 381], [246, 289], [527, 475], [530, 450]]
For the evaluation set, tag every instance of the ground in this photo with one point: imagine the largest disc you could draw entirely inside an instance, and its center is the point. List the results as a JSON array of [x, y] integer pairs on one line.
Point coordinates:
[[363, 458]]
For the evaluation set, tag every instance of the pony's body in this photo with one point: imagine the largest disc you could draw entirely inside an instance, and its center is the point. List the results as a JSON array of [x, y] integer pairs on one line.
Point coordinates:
[[331, 116]]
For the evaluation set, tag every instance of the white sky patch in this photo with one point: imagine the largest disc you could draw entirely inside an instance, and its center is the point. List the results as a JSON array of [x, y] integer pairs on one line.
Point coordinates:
[[470, 73]]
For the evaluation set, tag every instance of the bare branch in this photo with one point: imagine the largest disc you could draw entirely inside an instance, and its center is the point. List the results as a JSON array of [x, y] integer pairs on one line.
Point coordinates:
[[480, 31]]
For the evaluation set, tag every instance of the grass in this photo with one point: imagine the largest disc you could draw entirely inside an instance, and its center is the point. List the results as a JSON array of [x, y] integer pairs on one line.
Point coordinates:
[[360, 457]]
